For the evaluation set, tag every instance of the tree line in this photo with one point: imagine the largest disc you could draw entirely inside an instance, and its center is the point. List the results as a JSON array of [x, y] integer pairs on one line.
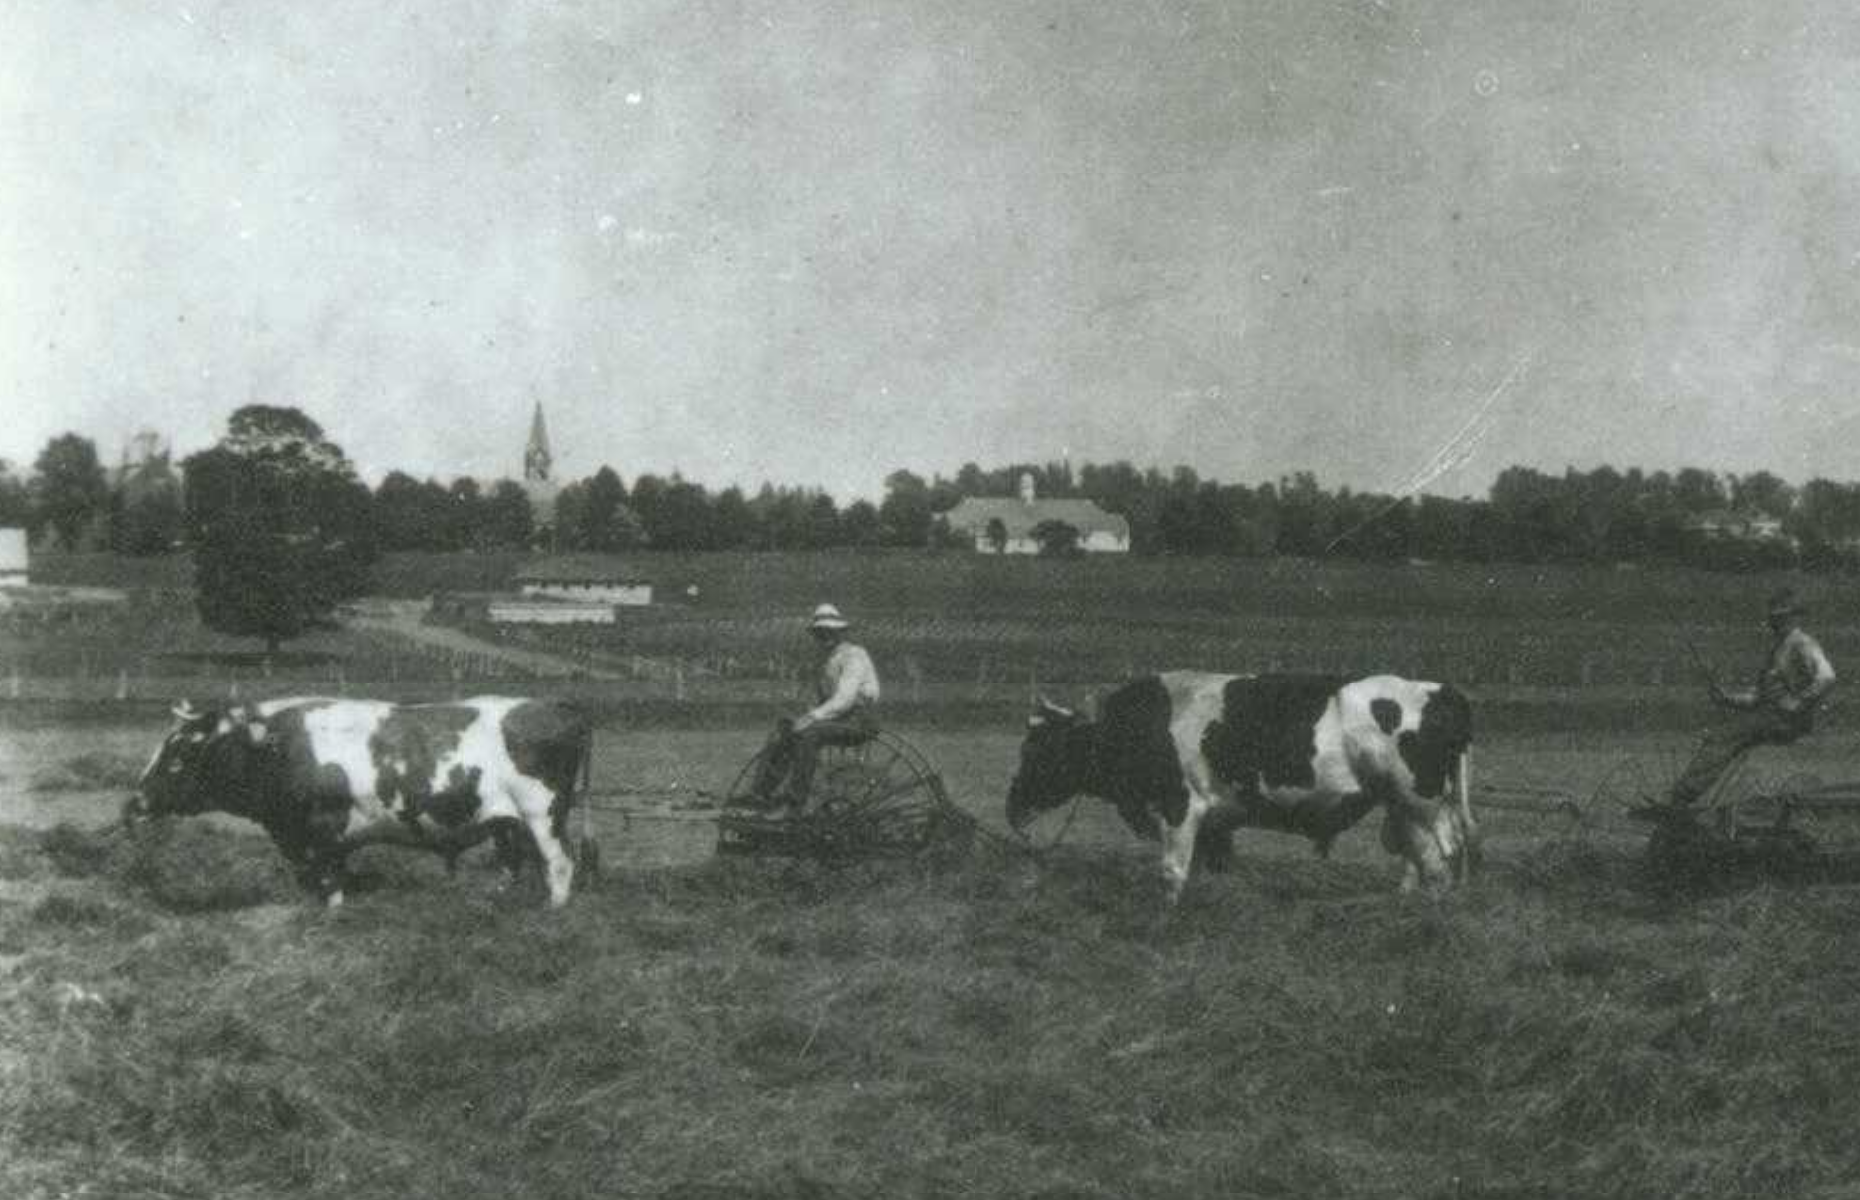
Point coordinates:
[[282, 530], [1689, 516]]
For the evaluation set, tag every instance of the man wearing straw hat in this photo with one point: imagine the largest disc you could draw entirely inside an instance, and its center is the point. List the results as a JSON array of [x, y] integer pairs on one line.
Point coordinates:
[[1779, 709], [847, 691]]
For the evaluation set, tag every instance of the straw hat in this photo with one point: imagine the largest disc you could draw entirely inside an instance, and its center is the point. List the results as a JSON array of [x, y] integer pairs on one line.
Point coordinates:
[[827, 617]]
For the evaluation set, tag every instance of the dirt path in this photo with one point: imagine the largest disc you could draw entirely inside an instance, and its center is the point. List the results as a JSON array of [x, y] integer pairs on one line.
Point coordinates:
[[405, 619]]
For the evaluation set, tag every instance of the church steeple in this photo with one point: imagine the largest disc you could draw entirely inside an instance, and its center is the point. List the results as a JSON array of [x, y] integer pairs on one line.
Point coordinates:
[[536, 457]]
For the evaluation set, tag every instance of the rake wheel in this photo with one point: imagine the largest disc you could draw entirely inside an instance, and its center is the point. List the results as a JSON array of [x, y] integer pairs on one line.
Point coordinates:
[[880, 799]]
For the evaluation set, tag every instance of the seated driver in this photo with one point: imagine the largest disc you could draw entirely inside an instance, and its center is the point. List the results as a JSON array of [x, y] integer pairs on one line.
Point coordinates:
[[1779, 709], [848, 693]]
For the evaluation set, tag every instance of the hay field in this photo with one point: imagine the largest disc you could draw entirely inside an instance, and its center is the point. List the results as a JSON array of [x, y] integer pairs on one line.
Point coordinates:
[[178, 1022]]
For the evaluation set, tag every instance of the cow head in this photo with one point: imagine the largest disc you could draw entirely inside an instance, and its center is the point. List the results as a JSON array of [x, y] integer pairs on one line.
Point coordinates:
[[1055, 762], [200, 765]]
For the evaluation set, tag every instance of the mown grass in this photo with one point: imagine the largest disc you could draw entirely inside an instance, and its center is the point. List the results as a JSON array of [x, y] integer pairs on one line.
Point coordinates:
[[749, 1028], [91, 771]]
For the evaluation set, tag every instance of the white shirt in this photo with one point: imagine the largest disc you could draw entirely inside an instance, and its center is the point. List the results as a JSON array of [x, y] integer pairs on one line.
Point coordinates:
[[1797, 675], [848, 680]]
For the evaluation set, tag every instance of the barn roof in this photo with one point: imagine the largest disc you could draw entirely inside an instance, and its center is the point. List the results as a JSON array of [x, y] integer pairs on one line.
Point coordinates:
[[1021, 517], [578, 568]]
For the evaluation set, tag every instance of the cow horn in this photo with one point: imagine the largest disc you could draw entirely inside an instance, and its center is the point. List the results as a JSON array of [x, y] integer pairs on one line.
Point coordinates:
[[184, 710], [1043, 705]]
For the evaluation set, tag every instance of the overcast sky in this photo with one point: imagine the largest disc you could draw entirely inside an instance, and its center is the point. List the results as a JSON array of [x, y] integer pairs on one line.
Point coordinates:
[[1390, 242]]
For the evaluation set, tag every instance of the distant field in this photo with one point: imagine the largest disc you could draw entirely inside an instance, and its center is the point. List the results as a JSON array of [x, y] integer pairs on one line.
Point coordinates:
[[981, 620], [959, 631], [971, 585]]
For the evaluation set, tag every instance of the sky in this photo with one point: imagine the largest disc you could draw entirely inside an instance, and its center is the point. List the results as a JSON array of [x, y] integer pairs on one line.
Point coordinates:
[[1400, 244]]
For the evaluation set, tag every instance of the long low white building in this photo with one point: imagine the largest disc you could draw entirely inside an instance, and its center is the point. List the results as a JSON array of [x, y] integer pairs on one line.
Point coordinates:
[[545, 611], [583, 579]]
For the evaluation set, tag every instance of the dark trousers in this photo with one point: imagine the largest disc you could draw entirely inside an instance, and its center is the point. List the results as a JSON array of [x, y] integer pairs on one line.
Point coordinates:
[[1730, 741], [788, 764]]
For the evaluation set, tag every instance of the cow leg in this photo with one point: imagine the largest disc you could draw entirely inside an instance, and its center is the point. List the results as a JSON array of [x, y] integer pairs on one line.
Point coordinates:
[[1179, 847], [536, 802], [512, 849], [1422, 833], [320, 872], [316, 861], [328, 861], [1395, 841], [1214, 845]]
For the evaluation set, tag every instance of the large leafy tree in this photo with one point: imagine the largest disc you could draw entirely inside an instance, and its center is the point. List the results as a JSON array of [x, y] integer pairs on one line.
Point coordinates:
[[15, 498], [145, 507], [70, 492], [734, 521], [598, 519], [906, 514], [410, 514], [1057, 539], [682, 518], [860, 524], [145, 520], [508, 520], [280, 526], [464, 524]]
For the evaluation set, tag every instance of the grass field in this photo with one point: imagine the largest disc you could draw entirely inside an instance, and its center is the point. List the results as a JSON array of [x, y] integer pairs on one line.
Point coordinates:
[[176, 1021], [179, 1024], [956, 629]]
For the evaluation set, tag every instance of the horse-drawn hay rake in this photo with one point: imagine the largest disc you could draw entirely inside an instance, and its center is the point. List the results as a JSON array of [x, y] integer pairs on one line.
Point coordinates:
[[1748, 820], [879, 799]]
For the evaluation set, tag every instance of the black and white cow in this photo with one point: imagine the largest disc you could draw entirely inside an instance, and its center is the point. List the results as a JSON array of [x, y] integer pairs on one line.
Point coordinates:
[[326, 776], [1188, 757]]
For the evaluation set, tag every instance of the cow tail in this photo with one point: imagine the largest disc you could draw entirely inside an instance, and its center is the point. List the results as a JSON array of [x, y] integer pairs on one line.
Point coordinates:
[[1474, 851], [1465, 785], [585, 774], [583, 779], [588, 854]]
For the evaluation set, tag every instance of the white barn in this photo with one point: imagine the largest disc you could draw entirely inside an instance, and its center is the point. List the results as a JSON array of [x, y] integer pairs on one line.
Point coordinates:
[[1006, 525]]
